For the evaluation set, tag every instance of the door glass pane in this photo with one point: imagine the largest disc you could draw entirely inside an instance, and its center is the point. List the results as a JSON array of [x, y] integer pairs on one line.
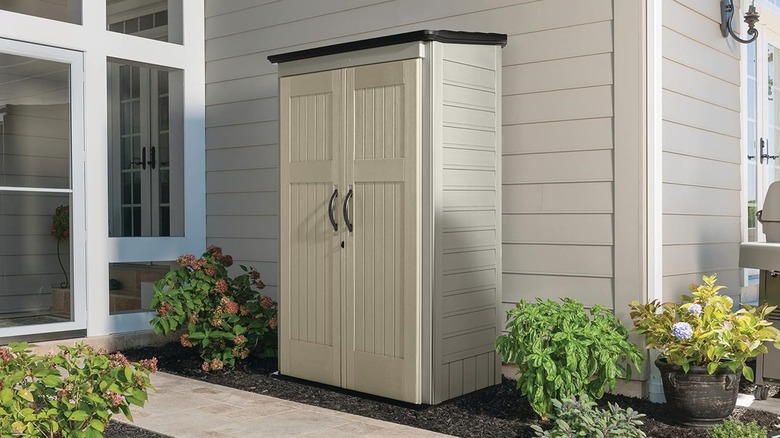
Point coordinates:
[[34, 122], [131, 285], [145, 151], [35, 137], [772, 148], [154, 19], [34, 259], [68, 11]]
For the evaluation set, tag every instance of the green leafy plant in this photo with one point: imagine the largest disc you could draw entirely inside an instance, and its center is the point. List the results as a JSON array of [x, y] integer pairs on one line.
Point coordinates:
[[736, 428], [561, 352], [70, 394], [581, 418], [226, 318], [703, 330], [60, 222]]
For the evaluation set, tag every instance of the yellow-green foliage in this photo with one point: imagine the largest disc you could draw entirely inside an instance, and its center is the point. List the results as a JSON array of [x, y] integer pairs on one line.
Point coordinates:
[[704, 331]]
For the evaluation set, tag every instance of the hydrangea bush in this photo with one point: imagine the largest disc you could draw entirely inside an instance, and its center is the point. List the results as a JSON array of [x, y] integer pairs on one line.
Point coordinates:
[[226, 318], [703, 330], [70, 394]]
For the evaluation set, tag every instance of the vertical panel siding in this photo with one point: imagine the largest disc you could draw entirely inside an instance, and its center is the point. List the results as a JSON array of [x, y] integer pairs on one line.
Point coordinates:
[[701, 165]]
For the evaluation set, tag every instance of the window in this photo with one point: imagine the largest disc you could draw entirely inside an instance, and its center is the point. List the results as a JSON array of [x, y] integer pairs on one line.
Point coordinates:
[[145, 152], [154, 19], [68, 11]]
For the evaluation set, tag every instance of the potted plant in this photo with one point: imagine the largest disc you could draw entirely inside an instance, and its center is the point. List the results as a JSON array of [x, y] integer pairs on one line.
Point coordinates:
[[703, 347]]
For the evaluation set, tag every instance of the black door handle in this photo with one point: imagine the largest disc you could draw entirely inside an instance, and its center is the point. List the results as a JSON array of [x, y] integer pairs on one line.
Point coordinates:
[[346, 210], [152, 157], [330, 210]]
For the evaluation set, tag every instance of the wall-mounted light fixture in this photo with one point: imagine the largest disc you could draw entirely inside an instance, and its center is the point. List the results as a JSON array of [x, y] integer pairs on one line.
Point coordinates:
[[751, 18]]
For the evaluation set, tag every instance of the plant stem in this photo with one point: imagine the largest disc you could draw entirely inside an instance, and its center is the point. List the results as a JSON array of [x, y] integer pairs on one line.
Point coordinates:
[[66, 283]]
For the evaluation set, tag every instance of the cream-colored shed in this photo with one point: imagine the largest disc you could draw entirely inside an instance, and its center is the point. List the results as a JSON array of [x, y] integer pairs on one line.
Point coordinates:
[[390, 177]]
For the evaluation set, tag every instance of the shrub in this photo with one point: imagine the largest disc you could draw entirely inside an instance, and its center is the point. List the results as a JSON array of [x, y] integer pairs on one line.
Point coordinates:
[[704, 331], [560, 352], [70, 394], [736, 428], [225, 318], [581, 418]]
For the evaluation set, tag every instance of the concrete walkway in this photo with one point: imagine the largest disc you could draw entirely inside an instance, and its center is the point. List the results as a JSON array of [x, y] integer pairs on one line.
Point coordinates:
[[190, 408]]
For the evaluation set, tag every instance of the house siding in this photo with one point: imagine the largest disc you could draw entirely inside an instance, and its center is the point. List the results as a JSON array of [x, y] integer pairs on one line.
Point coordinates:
[[35, 153], [700, 148], [557, 127]]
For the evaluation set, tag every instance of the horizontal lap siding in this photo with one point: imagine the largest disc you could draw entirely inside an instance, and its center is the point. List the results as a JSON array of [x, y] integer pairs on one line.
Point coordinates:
[[35, 154], [701, 148], [557, 117]]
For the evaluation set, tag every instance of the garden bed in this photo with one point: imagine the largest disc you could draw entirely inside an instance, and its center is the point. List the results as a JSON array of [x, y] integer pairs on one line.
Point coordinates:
[[498, 411]]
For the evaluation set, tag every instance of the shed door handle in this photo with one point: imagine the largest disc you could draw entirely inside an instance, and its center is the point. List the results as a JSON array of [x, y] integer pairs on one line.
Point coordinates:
[[330, 210], [346, 210]]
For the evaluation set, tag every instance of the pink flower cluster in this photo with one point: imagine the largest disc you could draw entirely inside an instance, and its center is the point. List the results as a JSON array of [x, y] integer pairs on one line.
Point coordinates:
[[230, 307], [191, 261], [5, 354], [118, 360], [214, 365], [185, 340], [267, 303], [149, 364], [114, 398], [221, 287], [165, 308]]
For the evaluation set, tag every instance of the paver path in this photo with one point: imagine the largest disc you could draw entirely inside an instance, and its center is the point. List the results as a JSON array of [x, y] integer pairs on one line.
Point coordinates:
[[184, 407]]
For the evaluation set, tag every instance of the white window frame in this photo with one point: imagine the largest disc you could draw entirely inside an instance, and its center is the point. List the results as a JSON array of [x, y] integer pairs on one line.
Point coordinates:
[[98, 46]]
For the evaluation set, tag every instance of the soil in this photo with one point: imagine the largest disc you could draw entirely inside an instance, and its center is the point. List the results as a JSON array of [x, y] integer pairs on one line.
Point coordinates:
[[121, 430], [498, 411]]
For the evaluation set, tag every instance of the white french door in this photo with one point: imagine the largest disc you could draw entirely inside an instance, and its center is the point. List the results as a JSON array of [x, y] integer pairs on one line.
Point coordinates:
[[140, 153], [41, 170], [762, 133]]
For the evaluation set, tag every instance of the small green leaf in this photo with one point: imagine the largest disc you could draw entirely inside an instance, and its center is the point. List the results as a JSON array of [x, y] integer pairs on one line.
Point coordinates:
[[748, 373], [97, 425], [26, 394], [78, 416]]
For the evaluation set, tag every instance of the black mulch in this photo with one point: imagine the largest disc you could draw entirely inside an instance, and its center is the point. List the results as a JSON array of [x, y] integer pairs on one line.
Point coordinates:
[[498, 411], [121, 430]]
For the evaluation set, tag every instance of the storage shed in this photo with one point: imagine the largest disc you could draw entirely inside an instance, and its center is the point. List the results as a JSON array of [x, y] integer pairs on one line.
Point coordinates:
[[390, 187]]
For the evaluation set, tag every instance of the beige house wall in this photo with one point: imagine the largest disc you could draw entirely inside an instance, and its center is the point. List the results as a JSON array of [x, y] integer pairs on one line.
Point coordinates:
[[700, 148]]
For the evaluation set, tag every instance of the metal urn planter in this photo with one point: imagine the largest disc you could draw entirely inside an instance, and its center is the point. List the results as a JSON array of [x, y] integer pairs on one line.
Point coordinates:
[[700, 399]]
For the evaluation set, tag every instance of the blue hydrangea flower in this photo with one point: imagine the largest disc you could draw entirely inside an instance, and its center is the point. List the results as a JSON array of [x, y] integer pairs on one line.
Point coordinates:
[[695, 309], [682, 330]]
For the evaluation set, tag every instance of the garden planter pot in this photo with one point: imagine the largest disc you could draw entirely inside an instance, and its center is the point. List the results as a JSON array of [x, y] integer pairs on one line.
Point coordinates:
[[699, 399]]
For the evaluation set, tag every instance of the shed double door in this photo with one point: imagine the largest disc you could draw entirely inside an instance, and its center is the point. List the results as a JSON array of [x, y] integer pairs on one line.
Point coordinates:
[[350, 204]]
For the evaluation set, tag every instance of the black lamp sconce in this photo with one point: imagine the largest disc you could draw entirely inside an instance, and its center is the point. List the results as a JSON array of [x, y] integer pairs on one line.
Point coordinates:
[[751, 18]]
